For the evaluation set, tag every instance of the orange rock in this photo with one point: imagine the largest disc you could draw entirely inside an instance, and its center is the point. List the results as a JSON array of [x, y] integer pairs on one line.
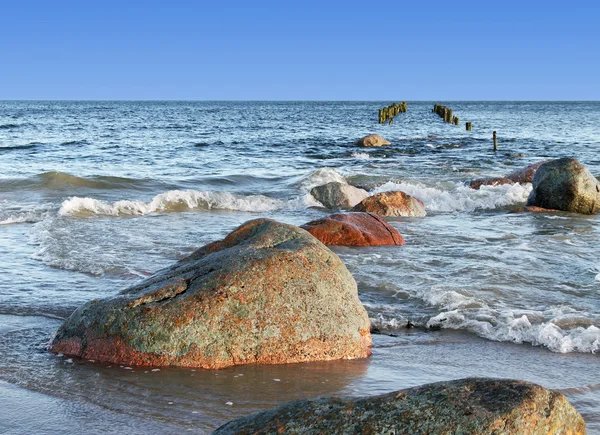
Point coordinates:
[[269, 293], [354, 229], [392, 204]]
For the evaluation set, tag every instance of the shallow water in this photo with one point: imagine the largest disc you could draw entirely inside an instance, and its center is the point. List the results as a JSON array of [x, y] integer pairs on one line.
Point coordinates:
[[96, 195]]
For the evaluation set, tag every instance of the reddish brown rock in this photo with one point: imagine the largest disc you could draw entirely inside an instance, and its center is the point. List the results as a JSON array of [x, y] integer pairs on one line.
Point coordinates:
[[269, 293], [525, 175], [522, 176], [533, 209], [354, 229], [392, 204], [476, 184]]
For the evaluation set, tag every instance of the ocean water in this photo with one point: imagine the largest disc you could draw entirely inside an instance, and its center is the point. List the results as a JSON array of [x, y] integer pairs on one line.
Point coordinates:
[[97, 195]]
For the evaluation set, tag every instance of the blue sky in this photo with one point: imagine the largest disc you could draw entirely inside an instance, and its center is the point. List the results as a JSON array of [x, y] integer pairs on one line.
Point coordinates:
[[285, 50]]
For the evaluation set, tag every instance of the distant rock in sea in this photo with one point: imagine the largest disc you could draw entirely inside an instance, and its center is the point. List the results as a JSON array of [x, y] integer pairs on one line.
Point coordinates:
[[354, 229], [269, 293], [475, 406], [565, 184], [392, 204], [372, 140]]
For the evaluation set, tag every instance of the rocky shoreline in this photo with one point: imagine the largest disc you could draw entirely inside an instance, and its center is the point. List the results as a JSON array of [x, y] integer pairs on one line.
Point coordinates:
[[272, 293]]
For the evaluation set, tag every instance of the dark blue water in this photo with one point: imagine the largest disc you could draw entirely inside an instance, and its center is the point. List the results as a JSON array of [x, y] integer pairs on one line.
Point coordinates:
[[96, 195]]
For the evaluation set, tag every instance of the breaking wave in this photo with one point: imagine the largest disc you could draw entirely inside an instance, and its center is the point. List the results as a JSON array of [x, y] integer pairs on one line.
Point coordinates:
[[458, 197]]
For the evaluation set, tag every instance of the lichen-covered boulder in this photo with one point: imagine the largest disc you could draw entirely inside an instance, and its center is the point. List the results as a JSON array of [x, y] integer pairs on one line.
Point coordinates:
[[268, 293], [338, 195], [372, 140], [354, 229], [392, 204], [521, 176], [468, 406], [565, 184]]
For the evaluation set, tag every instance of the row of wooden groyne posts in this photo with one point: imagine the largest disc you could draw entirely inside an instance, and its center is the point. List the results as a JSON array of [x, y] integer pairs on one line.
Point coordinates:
[[387, 114]]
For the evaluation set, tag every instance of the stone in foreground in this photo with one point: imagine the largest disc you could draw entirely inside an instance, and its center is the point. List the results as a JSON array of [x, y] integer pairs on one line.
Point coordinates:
[[269, 293], [565, 184], [338, 195], [354, 229], [392, 204], [372, 140], [468, 406]]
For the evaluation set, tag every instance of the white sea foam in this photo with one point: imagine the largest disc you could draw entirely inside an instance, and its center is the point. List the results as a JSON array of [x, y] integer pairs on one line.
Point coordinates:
[[459, 197], [519, 329], [173, 201], [322, 176], [357, 155]]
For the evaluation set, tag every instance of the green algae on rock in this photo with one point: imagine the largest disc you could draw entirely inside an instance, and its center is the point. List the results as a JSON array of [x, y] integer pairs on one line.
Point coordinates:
[[268, 293], [475, 406]]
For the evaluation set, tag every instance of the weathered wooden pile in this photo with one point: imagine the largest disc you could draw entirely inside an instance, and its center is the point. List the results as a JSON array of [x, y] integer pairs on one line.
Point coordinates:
[[388, 113], [446, 113]]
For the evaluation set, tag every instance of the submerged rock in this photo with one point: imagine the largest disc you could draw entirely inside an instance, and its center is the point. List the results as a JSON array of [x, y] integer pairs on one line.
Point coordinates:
[[476, 184], [268, 293], [468, 406], [354, 229], [372, 140], [338, 195], [533, 209], [522, 176], [565, 184], [392, 204]]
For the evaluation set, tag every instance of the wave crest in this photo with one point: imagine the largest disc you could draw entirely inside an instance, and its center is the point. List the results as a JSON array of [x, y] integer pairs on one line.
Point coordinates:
[[170, 202]]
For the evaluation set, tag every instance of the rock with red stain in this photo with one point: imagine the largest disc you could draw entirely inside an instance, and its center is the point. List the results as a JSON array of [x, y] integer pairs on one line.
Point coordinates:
[[521, 176], [392, 204], [268, 293], [466, 406], [354, 229]]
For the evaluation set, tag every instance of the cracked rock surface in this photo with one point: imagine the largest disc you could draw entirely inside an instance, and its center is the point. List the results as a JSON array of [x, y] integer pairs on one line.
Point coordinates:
[[268, 293]]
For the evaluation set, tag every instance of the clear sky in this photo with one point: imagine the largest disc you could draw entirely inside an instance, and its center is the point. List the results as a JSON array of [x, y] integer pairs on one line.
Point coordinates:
[[300, 50]]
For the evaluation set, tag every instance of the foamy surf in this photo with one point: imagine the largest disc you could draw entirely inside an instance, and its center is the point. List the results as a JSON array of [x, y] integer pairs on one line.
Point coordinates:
[[322, 176], [452, 197], [175, 201]]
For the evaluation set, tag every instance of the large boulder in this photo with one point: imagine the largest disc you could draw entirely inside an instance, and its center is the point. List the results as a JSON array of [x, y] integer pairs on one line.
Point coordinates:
[[354, 229], [268, 293], [565, 184], [392, 204], [468, 406], [338, 195], [372, 140], [521, 176]]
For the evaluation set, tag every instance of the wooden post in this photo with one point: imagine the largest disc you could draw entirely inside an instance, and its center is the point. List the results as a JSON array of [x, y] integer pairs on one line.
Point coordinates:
[[469, 126], [495, 142], [456, 120]]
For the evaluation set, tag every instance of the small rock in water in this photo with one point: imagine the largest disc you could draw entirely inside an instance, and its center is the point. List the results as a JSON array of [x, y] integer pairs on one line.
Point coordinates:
[[229, 403]]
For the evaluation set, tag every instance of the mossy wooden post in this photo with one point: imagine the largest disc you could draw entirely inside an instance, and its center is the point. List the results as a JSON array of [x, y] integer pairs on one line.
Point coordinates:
[[390, 123], [495, 142], [456, 120], [469, 126]]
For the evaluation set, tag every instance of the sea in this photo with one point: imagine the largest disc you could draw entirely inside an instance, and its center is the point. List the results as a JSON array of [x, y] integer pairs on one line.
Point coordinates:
[[96, 195]]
